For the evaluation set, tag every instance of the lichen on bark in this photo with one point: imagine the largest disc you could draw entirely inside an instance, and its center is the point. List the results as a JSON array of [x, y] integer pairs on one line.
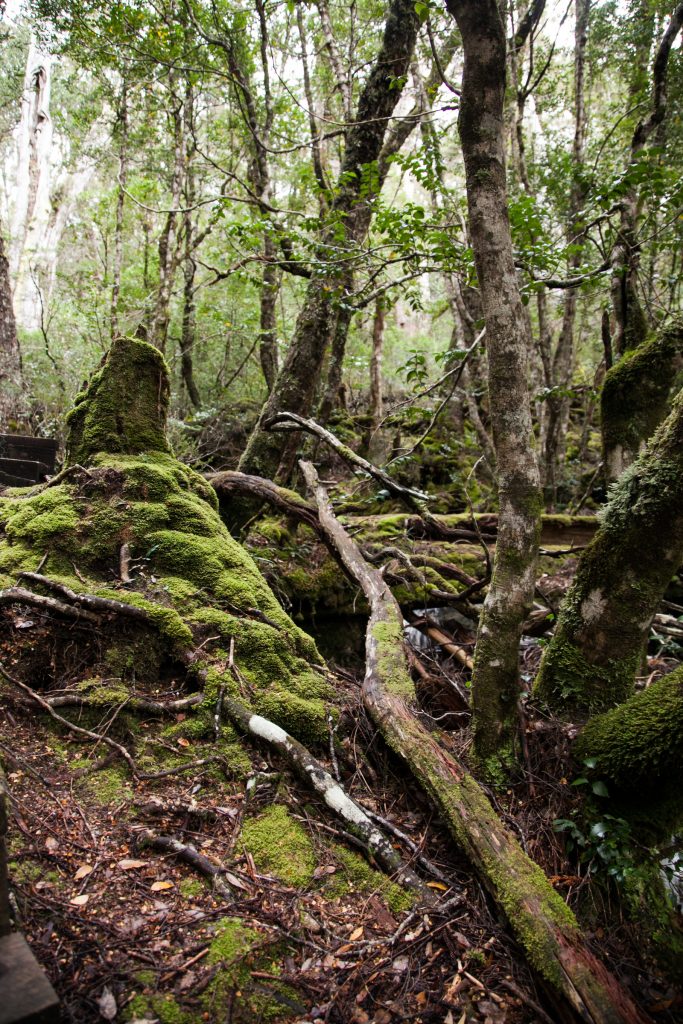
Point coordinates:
[[635, 395], [591, 662]]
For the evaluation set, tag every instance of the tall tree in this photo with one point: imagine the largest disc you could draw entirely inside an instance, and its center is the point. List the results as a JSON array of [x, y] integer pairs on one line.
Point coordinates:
[[343, 228], [495, 680]]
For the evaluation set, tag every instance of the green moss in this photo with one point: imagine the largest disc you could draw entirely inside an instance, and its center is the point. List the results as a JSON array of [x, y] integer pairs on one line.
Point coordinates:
[[163, 1008], [636, 390], [637, 748], [523, 891], [190, 888], [391, 663], [108, 786], [40, 520], [280, 846], [357, 876], [123, 408]]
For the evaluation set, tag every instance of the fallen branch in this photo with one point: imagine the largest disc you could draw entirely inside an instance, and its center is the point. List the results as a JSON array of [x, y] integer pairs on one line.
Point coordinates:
[[18, 595], [541, 921], [86, 601], [313, 772], [186, 852], [414, 499], [231, 482]]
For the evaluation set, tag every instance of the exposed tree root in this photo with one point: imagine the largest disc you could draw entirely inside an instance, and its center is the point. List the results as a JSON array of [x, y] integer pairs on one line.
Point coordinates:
[[541, 921]]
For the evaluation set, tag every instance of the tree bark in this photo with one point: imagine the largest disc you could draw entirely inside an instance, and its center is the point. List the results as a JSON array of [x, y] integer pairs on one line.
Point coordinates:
[[631, 323], [122, 127], [557, 405], [591, 662], [638, 746], [167, 239], [495, 686], [189, 322], [635, 396], [10, 353], [541, 921], [346, 224]]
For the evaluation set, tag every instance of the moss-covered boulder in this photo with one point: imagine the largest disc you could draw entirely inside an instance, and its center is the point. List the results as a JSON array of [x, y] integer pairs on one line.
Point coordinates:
[[201, 589]]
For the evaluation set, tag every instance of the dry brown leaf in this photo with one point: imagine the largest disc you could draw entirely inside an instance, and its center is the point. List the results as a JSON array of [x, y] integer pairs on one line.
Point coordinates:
[[51, 844], [161, 886], [80, 901], [83, 871], [129, 864], [357, 933]]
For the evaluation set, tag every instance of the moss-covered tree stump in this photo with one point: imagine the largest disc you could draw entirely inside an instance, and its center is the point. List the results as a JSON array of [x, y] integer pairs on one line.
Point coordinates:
[[125, 490]]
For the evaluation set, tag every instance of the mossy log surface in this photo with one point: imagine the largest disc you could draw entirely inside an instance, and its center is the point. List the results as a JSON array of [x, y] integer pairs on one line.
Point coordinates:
[[541, 921], [591, 662], [195, 581]]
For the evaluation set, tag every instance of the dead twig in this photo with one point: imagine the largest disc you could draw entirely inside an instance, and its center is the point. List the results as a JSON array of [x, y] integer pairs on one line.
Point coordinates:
[[94, 736]]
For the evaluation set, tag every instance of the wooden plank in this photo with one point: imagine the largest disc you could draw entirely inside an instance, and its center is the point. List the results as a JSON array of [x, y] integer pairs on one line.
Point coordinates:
[[27, 995]]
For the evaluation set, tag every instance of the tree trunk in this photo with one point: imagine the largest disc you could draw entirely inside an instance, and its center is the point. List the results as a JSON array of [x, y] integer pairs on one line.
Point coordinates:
[[122, 126], [189, 323], [638, 748], [347, 223], [605, 620], [631, 323], [376, 398], [635, 396], [10, 353], [543, 924], [167, 240], [557, 410], [495, 682]]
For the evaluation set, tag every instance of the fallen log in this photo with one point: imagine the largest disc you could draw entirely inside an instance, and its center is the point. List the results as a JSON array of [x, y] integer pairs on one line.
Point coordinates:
[[543, 924]]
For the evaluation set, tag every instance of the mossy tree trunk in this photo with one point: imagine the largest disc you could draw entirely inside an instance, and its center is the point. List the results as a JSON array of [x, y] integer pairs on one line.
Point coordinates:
[[638, 749], [635, 396], [630, 319], [591, 661], [272, 455], [495, 681]]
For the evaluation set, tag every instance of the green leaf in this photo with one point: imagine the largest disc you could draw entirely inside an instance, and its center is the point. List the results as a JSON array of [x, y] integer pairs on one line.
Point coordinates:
[[599, 788]]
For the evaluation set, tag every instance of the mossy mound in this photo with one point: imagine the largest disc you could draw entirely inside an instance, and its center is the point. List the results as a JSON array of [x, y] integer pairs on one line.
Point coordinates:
[[196, 582]]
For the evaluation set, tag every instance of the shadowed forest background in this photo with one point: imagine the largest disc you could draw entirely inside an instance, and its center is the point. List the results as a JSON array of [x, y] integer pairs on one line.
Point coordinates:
[[341, 647]]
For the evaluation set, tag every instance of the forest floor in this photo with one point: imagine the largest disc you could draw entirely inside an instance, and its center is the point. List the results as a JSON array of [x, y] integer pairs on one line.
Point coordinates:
[[310, 932]]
